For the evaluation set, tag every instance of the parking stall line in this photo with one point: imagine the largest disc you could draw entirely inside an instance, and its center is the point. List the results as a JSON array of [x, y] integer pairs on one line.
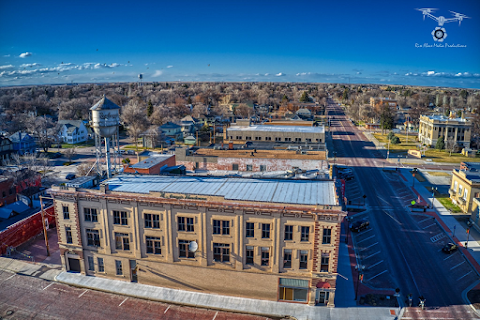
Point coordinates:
[[366, 239], [216, 313], [83, 293], [166, 310], [47, 286], [458, 265], [375, 264], [430, 218], [371, 255], [377, 275], [369, 246], [466, 274], [13, 275], [433, 224], [122, 302], [448, 256]]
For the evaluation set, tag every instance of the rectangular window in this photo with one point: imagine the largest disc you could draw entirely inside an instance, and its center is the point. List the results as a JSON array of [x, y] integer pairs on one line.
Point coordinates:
[[250, 230], [66, 214], [324, 263], [265, 231], [263, 168], [249, 255], [248, 138], [239, 137], [288, 232], [287, 258], [309, 140], [298, 139], [268, 138], [303, 259], [183, 251], [288, 139], [278, 139], [120, 217], [91, 265], [101, 266], [122, 241], [249, 167], [190, 226], [327, 236], [221, 227], [90, 214], [153, 245], [235, 167], [152, 221], [118, 267], [93, 238], [465, 194], [221, 252], [181, 223], [68, 233], [147, 217], [477, 195], [265, 256], [305, 233], [455, 184], [258, 138]]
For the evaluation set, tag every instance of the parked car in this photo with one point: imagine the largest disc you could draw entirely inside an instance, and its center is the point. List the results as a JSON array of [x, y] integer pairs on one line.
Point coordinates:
[[70, 176], [56, 155], [359, 225], [449, 248]]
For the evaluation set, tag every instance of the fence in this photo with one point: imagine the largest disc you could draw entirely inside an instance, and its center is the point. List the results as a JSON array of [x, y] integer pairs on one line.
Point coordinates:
[[23, 230]]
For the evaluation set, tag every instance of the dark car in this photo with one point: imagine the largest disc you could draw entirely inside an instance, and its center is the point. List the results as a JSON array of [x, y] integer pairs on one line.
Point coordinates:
[[56, 155], [70, 176], [359, 225], [449, 248]]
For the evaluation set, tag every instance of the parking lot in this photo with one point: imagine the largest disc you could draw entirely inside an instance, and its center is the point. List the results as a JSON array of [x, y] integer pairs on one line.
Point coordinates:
[[370, 257], [458, 267], [402, 191]]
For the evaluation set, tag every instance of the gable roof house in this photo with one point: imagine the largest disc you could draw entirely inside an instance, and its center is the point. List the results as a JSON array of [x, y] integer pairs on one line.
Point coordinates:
[[6, 149], [23, 143], [73, 131]]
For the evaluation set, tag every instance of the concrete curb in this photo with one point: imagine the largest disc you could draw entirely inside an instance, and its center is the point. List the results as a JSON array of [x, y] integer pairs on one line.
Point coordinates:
[[465, 297]]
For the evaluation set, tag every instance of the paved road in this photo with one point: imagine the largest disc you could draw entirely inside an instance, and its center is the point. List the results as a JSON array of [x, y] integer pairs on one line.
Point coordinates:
[[34, 298], [412, 259]]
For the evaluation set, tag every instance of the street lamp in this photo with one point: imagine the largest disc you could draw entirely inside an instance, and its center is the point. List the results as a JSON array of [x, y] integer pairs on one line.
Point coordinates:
[[414, 171], [434, 190], [388, 150], [360, 268]]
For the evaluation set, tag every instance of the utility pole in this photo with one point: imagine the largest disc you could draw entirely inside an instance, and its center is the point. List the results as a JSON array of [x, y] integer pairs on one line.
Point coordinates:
[[44, 226]]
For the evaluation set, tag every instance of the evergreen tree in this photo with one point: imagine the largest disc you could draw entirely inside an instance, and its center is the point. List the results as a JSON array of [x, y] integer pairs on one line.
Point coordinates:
[[304, 97], [284, 98], [149, 108], [345, 94], [440, 143], [395, 140]]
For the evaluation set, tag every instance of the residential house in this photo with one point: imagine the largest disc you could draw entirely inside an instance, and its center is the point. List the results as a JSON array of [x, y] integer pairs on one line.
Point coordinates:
[[172, 130], [274, 240], [8, 192], [23, 143], [189, 125], [6, 150], [73, 131]]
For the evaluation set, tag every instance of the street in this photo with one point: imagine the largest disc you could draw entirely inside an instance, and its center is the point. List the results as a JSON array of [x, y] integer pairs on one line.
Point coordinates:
[[409, 256]]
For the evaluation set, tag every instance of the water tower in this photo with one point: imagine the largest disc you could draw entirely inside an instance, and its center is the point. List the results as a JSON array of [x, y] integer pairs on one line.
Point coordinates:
[[105, 123]]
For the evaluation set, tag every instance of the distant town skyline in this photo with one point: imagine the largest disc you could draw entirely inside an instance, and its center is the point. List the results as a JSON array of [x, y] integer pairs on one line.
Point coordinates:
[[273, 41]]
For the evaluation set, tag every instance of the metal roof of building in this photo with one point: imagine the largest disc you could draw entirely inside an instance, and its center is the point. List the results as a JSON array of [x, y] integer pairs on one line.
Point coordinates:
[[306, 192], [104, 104], [152, 161], [297, 129]]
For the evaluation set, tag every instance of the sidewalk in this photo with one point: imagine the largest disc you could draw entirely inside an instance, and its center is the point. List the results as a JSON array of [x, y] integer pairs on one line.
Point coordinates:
[[448, 222]]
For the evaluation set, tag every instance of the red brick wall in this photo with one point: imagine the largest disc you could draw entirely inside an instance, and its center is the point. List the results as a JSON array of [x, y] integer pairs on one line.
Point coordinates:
[[153, 170], [271, 164], [5, 187], [25, 229]]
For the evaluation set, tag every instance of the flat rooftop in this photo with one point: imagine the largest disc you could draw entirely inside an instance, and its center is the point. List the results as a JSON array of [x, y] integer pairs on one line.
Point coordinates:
[[152, 161], [306, 192], [444, 118], [270, 128], [262, 154]]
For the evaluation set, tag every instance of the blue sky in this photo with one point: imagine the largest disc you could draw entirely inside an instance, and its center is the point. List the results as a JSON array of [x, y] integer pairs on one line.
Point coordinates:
[[307, 41]]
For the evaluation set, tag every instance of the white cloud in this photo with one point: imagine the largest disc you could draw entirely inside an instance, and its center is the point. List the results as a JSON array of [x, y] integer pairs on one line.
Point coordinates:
[[267, 74], [280, 74], [430, 73], [26, 65], [443, 74], [168, 67], [6, 56], [157, 73], [8, 66], [26, 54]]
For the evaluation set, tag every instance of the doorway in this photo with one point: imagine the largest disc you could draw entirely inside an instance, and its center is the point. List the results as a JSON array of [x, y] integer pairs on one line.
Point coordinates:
[[74, 265], [133, 270]]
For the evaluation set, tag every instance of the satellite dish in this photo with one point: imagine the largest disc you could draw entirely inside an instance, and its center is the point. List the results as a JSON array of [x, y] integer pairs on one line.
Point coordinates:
[[192, 246]]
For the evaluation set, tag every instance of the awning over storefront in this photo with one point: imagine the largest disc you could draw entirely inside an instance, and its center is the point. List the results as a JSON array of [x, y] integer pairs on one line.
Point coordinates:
[[323, 285]]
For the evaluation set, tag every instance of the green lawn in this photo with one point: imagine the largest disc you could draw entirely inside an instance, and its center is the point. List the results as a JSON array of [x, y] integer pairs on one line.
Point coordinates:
[[89, 143], [434, 154]]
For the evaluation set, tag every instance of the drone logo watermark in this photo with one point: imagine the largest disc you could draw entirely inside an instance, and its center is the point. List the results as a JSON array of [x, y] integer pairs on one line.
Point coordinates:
[[439, 34]]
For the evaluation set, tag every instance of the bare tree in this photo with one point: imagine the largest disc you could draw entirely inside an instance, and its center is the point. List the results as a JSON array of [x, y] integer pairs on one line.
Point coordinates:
[[70, 153], [135, 116], [243, 111], [85, 169], [450, 144]]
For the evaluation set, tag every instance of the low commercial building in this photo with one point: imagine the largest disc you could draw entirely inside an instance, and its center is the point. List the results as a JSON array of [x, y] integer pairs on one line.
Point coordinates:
[[151, 165], [277, 134], [464, 188], [431, 128], [262, 239], [251, 160]]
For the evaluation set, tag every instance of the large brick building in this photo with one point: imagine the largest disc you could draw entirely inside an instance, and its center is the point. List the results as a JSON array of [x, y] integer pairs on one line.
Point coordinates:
[[265, 239], [431, 128], [251, 160]]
